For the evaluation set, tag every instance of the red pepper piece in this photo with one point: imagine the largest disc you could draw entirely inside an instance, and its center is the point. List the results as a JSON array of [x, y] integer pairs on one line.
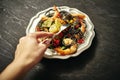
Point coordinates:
[[56, 42], [80, 41]]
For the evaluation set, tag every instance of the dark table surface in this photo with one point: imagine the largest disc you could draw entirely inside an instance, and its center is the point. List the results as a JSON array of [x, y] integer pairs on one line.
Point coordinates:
[[100, 62]]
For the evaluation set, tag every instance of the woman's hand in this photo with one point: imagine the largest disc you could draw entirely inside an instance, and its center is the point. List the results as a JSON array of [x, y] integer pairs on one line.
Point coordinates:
[[29, 52], [30, 49]]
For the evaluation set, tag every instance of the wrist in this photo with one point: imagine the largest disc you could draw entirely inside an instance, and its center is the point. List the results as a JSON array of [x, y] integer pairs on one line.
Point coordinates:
[[22, 65], [16, 71]]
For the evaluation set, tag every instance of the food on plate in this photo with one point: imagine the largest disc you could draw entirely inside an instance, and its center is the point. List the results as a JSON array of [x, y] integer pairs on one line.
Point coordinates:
[[67, 41]]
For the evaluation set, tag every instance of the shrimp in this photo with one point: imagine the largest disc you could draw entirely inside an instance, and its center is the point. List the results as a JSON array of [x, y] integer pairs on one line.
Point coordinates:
[[56, 14], [80, 15], [71, 50], [83, 29]]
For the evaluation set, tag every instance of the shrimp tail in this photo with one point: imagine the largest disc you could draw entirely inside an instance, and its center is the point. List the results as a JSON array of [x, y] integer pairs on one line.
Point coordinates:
[[56, 14]]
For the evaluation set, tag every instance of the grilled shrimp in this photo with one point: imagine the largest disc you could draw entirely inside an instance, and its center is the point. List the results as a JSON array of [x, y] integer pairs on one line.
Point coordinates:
[[83, 28], [72, 49], [56, 13]]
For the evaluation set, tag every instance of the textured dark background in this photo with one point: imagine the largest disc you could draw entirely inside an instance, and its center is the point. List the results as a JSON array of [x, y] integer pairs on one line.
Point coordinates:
[[100, 62]]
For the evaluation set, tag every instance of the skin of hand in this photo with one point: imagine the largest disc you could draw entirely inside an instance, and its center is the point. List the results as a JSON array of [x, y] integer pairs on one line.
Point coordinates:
[[29, 52]]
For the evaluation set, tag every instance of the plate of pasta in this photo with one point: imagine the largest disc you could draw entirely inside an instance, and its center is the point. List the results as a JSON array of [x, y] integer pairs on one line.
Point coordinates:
[[73, 29]]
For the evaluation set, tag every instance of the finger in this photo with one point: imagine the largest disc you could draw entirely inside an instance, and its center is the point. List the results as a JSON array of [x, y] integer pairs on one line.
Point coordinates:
[[16, 49], [44, 45], [40, 34], [46, 42], [43, 34], [21, 39], [17, 53]]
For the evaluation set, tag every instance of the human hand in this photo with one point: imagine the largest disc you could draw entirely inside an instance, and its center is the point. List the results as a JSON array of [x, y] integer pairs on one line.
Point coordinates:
[[30, 50]]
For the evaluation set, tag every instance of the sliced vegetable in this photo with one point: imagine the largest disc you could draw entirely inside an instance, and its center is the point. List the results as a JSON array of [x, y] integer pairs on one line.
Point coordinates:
[[57, 23], [67, 41], [47, 23], [53, 28], [80, 41]]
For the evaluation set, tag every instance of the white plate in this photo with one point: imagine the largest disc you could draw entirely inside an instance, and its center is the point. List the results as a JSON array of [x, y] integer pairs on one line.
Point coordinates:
[[88, 36]]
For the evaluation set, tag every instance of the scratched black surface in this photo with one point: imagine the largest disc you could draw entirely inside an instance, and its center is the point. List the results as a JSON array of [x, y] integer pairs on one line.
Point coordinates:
[[100, 62]]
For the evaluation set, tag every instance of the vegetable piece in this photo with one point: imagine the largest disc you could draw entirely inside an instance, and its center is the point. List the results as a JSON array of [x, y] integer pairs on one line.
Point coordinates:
[[57, 23], [56, 42], [47, 23], [80, 41], [63, 47], [67, 41], [53, 29]]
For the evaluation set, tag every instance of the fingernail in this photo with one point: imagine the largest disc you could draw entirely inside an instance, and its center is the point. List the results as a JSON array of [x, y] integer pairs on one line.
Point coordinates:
[[47, 41]]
